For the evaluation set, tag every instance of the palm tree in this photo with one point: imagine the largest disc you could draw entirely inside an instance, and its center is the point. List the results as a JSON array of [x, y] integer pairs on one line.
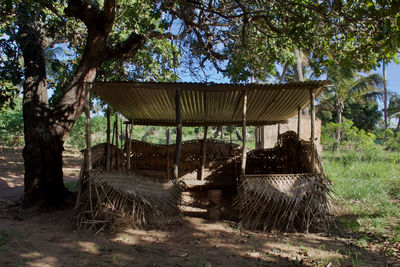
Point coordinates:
[[394, 110], [347, 83]]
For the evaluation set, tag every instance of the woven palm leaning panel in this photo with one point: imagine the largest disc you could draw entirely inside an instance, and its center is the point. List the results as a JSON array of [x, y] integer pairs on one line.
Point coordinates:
[[126, 198], [286, 202]]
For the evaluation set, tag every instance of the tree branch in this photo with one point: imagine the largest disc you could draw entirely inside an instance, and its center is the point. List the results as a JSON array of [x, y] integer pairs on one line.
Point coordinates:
[[89, 12], [127, 48], [86, 11]]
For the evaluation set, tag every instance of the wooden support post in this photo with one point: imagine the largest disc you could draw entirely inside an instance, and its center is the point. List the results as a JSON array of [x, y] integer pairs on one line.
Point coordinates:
[[298, 122], [121, 132], [312, 106], [203, 154], [126, 136], [168, 136], [244, 133], [108, 146], [116, 141], [126, 145], [168, 139], [178, 143], [129, 146], [88, 133], [278, 132]]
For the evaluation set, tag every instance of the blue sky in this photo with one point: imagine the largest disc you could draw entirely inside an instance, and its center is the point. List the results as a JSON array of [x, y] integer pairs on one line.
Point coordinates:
[[392, 76]]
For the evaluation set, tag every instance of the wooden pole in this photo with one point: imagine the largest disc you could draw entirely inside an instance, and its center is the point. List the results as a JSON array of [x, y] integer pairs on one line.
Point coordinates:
[[278, 132], [203, 154], [126, 145], [121, 132], [178, 144], [385, 117], [129, 146], [298, 122], [168, 137], [108, 147], [116, 141], [112, 147], [88, 134], [312, 130], [244, 133], [89, 148]]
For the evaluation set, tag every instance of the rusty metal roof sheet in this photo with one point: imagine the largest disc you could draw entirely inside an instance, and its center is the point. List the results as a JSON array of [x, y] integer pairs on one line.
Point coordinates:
[[207, 103]]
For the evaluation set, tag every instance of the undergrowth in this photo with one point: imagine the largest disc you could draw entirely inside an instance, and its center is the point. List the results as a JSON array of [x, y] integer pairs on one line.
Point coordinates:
[[367, 184]]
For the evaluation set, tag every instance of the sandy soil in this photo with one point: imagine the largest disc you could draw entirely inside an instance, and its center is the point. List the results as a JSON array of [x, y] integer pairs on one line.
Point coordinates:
[[34, 237]]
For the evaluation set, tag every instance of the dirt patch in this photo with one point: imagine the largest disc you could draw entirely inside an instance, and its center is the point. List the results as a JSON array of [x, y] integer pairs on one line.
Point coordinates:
[[35, 237]]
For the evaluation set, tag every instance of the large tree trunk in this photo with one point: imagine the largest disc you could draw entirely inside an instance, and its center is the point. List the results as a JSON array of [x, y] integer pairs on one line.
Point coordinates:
[[43, 147], [45, 129], [43, 166]]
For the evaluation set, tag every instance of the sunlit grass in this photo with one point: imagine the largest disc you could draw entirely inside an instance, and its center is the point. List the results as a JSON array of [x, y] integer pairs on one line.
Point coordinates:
[[367, 185]]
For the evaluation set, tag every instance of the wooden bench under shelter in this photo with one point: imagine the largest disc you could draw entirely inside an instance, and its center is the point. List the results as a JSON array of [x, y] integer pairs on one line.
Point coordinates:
[[283, 187]]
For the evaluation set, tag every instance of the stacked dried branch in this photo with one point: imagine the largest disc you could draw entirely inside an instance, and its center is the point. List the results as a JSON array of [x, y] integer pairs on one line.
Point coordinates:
[[116, 198], [287, 202]]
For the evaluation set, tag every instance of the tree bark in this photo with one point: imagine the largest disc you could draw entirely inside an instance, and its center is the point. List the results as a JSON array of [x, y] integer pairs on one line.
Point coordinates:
[[339, 111], [178, 143], [43, 146], [238, 134], [46, 129], [218, 132], [397, 130], [385, 116]]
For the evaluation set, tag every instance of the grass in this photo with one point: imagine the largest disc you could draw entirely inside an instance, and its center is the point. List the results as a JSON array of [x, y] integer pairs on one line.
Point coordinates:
[[367, 184], [72, 186]]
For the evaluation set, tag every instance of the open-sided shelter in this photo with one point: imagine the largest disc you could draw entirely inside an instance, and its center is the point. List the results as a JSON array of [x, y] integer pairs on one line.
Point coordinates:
[[273, 186]]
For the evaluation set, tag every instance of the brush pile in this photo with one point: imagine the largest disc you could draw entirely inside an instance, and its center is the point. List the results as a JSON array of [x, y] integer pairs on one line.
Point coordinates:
[[287, 202], [126, 198]]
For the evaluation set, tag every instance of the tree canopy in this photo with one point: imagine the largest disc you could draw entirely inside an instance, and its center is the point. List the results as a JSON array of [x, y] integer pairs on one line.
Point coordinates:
[[240, 38]]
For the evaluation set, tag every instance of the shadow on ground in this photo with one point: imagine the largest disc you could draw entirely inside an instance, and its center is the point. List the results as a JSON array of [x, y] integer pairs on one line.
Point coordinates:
[[47, 238]]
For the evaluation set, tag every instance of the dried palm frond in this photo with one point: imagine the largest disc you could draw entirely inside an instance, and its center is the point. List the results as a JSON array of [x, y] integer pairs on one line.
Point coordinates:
[[109, 198], [284, 201]]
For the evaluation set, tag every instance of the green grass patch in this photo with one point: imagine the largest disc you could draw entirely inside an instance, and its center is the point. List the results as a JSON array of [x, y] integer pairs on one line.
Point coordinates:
[[3, 238], [72, 186], [367, 184]]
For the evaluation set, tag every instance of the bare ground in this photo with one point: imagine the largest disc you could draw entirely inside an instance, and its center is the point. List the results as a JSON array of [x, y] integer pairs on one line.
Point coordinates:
[[35, 237]]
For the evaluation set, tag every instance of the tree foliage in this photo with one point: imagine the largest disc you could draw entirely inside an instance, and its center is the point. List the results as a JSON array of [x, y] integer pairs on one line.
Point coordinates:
[[248, 38], [364, 112], [11, 125], [348, 86]]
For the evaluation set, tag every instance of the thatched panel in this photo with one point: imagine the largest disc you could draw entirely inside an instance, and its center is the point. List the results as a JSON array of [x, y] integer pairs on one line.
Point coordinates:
[[292, 202], [114, 198], [153, 158], [290, 155]]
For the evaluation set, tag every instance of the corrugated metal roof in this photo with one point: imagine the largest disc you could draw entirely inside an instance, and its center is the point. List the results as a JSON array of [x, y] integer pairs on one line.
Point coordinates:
[[207, 103]]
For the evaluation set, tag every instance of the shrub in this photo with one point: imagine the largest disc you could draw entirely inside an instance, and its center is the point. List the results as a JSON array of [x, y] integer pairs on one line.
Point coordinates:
[[12, 125], [390, 140], [352, 137]]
